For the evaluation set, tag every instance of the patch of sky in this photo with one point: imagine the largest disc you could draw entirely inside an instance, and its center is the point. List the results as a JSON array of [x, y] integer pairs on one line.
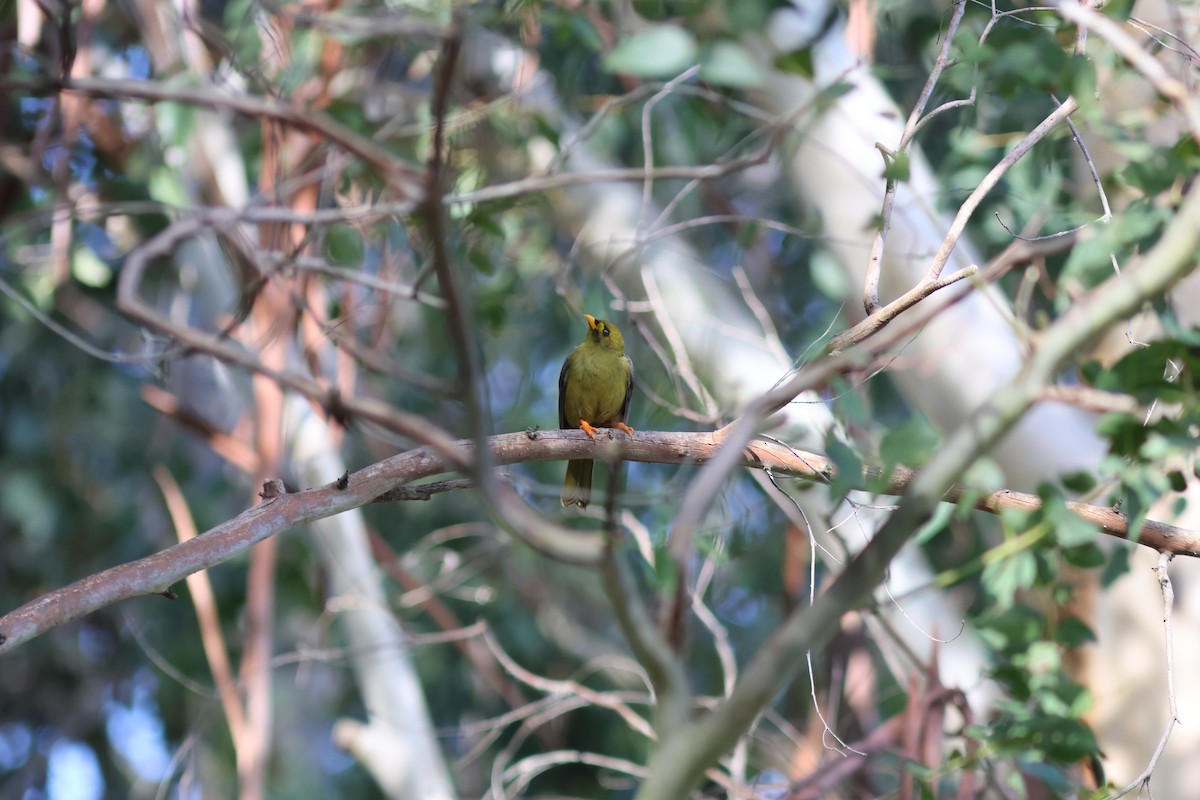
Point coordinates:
[[740, 607], [16, 743], [73, 772], [136, 730]]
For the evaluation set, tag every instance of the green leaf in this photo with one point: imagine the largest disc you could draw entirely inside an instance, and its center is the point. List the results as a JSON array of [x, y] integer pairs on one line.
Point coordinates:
[[799, 62], [935, 524], [849, 404], [849, 466], [585, 31], [1166, 370], [1118, 9], [981, 478], [1042, 658], [483, 219], [1079, 76], [166, 187], [1005, 578], [1071, 530], [910, 444], [652, 10], [1125, 434], [829, 95], [1079, 482], [1072, 632], [1135, 228], [897, 167], [1049, 775], [547, 129], [828, 276], [175, 122], [1084, 556], [665, 574], [344, 245], [481, 261], [1187, 151], [1065, 740], [29, 504], [1117, 567], [745, 17], [89, 269], [1011, 630], [661, 51], [727, 63], [985, 475], [971, 51]]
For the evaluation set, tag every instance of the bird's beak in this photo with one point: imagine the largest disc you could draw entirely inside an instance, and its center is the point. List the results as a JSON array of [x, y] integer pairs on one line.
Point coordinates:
[[591, 321]]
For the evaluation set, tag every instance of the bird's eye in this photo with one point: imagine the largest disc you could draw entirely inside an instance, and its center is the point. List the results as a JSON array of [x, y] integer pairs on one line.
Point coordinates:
[[604, 332]]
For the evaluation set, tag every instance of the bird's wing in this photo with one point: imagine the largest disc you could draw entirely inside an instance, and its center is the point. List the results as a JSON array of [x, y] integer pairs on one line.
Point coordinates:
[[562, 394], [623, 416]]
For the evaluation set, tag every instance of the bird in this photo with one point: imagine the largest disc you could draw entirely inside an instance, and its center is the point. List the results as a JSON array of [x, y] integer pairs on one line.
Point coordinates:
[[594, 389]]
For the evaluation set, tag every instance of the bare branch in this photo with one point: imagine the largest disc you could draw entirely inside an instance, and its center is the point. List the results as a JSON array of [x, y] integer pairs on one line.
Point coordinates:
[[1019, 252], [130, 302], [282, 511]]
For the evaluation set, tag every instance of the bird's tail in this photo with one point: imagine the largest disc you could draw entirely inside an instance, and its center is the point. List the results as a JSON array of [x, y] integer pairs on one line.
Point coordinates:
[[577, 485]]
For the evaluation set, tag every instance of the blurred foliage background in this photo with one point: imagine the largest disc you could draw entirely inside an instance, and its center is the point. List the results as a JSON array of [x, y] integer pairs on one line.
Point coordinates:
[[99, 419]]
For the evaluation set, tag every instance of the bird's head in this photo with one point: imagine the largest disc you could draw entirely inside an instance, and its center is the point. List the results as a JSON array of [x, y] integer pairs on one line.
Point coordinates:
[[603, 333]]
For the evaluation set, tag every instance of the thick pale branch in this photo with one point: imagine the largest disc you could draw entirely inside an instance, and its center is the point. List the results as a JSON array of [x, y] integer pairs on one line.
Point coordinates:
[[682, 759]]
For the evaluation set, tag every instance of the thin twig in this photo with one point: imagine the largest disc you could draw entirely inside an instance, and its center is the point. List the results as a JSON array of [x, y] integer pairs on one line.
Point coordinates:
[[1018, 252], [1144, 62], [204, 601], [648, 136], [132, 305], [1168, 596], [402, 177], [875, 259], [968, 207], [1091, 165], [539, 184]]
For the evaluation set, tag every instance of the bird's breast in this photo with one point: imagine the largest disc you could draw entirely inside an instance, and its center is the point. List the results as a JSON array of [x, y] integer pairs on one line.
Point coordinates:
[[595, 392]]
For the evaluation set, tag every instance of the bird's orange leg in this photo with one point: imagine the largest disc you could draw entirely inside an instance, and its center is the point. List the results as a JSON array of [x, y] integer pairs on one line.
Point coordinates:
[[588, 429], [628, 430]]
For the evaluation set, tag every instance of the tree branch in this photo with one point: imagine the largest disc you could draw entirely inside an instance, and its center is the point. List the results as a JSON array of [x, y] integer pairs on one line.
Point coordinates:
[[156, 573], [666, 671], [934, 280], [681, 760]]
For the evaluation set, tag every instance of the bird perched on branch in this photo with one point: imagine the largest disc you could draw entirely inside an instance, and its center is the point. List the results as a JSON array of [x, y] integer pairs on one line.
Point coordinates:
[[594, 388]]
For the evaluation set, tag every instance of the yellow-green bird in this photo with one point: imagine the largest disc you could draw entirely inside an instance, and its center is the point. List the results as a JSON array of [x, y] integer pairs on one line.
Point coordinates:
[[594, 388]]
